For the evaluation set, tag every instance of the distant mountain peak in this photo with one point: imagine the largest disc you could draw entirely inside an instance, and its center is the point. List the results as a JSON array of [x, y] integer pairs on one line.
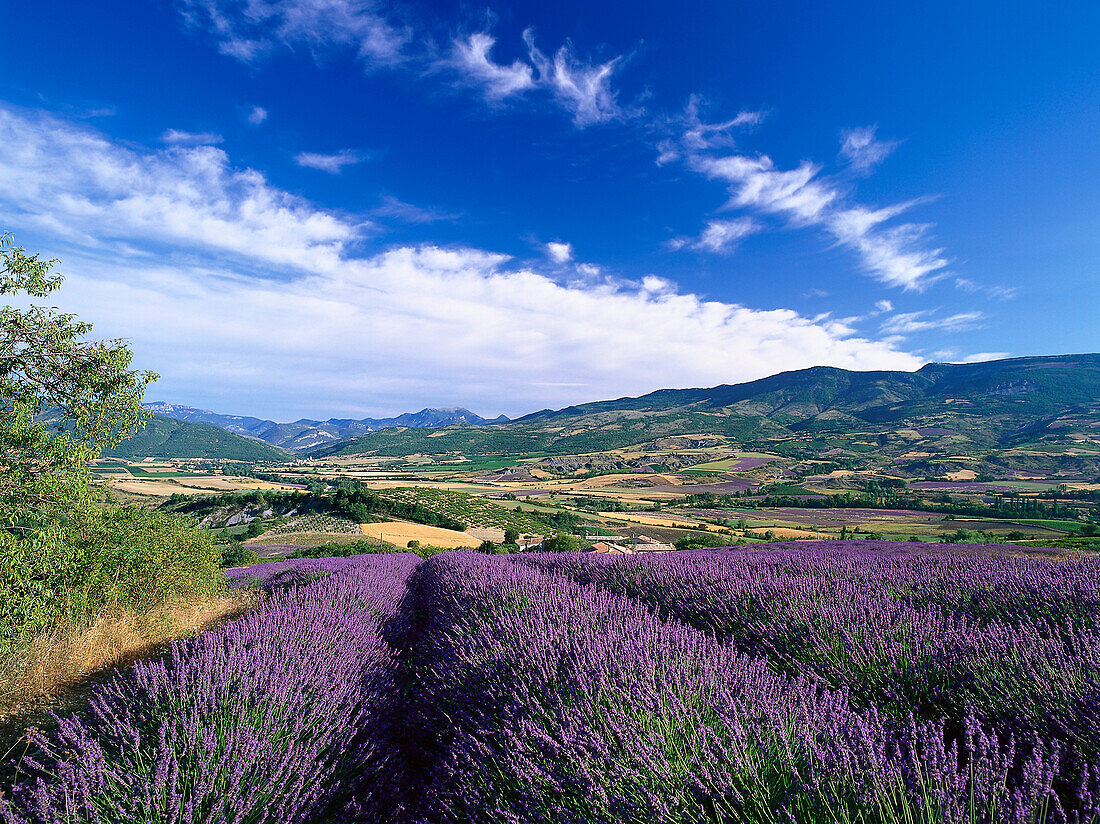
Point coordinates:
[[306, 433]]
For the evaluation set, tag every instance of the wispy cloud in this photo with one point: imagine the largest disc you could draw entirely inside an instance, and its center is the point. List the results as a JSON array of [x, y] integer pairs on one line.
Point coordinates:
[[906, 323], [697, 135], [391, 207], [189, 239], [719, 236], [896, 254], [176, 137], [248, 30], [257, 116], [582, 88], [862, 150], [470, 59], [884, 306], [993, 291], [331, 163]]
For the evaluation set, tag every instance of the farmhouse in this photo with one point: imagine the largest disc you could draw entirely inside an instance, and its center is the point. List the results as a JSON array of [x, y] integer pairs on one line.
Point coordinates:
[[605, 548], [617, 545]]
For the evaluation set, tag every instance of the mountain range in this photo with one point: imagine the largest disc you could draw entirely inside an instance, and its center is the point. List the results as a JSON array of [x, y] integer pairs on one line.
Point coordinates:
[[1023, 414], [307, 434], [1039, 411]]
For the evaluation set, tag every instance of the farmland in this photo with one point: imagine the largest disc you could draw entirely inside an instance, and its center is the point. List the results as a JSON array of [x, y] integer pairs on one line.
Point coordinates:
[[821, 681]]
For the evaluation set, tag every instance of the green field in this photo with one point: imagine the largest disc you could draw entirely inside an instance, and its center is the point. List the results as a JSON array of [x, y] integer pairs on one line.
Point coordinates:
[[469, 509], [139, 472]]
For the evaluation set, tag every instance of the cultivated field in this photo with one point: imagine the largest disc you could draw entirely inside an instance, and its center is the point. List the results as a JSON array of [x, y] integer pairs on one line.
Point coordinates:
[[401, 532], [831, 681]]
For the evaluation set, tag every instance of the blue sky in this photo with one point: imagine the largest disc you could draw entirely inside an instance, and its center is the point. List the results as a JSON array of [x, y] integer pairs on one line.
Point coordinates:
[[348, 208]]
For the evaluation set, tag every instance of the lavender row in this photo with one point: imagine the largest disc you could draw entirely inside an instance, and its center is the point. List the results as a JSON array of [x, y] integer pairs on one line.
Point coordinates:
[[542, 700], [900, 630], [268, 719]]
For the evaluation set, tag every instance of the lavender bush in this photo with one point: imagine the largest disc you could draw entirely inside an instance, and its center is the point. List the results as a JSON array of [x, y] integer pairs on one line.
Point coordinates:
[[250, 723], [542, 700], [865, 683]]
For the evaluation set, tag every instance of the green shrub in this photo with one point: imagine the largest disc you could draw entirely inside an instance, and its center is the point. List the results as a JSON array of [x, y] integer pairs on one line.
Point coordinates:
[[238, 555], [706, 539], [563, 543], [126, 556]]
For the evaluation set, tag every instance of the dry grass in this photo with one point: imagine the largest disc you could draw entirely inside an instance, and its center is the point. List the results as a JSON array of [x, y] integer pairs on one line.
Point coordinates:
[[401, 532], [57, 661]]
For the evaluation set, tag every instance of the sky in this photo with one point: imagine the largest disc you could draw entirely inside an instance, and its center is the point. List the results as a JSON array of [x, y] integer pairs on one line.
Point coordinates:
[[349, 208]]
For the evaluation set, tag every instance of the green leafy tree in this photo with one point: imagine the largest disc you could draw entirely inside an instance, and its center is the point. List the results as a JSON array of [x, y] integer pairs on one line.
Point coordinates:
[[563, 543], [63, 398]]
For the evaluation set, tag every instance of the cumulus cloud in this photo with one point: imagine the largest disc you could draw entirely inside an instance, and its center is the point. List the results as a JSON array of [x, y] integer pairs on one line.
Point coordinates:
[[331, 163], [559, 252], [862, 150], [719, 236], [175, 137], [248, 30], [257, 116], [906, 323], [198, 263]]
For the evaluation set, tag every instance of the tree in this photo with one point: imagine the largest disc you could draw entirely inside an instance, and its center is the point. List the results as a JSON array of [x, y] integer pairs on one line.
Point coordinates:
[[63, 398], [511, 536], [563, 543]]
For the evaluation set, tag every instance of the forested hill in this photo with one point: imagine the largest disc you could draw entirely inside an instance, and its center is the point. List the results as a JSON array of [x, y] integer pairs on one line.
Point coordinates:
[[167, 438], [991, 405]]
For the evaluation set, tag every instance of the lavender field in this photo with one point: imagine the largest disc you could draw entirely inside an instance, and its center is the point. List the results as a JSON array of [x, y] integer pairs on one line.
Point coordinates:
[[833, 681]]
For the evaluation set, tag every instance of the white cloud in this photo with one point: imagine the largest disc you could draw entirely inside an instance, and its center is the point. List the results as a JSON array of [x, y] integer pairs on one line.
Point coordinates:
[[470, 58], [719, 236], [697, 135], [232, 288], [257, 116], [559, 252], [247, 30], [982, 357], [74, 183], [996, 292], [862, 150], [905, 323], [884, 306], [331, 163], [175, 137], [896, 255], [584, 89], [391, 207]]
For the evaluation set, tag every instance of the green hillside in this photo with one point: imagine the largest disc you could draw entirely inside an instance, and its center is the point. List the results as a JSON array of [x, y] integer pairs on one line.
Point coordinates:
[[167, 438], [1023, 411]]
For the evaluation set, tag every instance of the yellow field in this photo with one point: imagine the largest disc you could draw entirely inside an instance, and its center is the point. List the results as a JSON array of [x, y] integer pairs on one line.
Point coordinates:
[[653, 520], [163, 487], [401, 532]]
